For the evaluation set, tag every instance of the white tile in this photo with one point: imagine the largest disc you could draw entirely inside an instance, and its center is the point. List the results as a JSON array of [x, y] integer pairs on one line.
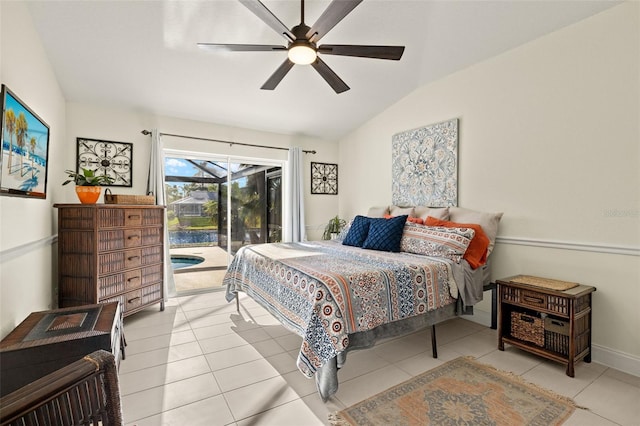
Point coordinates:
[[290, 341], [301, 384], [172, 395], [587, 418], [362, 387], [282, 362], [511, 359], [219, 343], [159, 356], [612, 399], [229, 357], [153, 316], [425, 361], [159, 375], [166, 379], [404, 347], [360, 362], [250, 400], [244, 374], [295, 413], [206, 412], [157, 342], [551, 375]]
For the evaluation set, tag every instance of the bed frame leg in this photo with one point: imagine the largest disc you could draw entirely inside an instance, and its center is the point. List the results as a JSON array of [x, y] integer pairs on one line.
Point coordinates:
[[434, 346], [238, 302]]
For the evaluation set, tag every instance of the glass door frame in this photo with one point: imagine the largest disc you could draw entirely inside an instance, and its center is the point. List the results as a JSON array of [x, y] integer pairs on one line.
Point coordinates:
[[231, 159]]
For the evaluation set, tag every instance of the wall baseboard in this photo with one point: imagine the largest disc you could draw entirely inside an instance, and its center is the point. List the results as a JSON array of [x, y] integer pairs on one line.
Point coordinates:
[[615, 359], [602, 355]]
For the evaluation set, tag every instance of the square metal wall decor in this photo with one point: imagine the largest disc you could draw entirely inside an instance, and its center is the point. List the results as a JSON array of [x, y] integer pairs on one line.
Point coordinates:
[[424, 166], [324, 178], [108, 158]]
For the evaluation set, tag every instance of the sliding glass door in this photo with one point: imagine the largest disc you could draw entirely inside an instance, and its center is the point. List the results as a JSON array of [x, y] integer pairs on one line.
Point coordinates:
[[215, 206]]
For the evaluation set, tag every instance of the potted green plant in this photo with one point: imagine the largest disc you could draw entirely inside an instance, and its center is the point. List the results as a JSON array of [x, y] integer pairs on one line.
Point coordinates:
[[88, 184], [333, 228]]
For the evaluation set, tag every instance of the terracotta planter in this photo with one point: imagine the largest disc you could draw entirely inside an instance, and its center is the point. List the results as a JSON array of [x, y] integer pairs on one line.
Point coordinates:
[[88, 194]]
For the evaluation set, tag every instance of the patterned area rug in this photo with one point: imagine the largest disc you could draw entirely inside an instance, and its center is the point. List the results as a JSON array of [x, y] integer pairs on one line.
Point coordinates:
[[460, 392]]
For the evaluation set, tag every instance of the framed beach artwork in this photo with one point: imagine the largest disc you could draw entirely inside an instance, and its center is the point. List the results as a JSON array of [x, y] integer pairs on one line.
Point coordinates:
[[25, 149]]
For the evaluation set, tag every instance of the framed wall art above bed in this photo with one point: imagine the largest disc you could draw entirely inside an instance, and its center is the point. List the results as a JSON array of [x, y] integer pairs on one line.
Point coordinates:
[[425, 166]]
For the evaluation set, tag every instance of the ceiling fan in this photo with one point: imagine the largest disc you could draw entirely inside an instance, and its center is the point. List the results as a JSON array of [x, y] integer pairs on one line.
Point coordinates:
[[303, 49]]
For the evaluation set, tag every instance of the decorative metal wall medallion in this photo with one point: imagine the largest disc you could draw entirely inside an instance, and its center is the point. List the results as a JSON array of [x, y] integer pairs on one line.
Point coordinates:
[[324, 178], [425, 166], [108, 158]]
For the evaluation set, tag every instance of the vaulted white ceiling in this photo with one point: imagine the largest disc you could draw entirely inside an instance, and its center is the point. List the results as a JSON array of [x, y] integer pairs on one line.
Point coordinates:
[[143, 55]]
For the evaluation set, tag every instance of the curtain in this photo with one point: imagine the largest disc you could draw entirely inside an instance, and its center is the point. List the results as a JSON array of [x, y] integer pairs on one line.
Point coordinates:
[[296, 196], [155, 185]]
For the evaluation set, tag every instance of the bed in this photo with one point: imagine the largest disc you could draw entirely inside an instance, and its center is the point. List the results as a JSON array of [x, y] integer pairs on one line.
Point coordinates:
[[340, 297]]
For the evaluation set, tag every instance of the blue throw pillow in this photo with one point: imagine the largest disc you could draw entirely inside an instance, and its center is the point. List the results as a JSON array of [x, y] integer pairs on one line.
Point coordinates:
[[358, 232], [385, 234]]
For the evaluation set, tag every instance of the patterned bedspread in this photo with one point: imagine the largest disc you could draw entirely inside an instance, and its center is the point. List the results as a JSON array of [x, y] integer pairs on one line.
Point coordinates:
[[323, 291]]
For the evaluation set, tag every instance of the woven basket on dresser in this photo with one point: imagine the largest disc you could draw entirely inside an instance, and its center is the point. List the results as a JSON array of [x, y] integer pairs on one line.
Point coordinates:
[[144, 200]]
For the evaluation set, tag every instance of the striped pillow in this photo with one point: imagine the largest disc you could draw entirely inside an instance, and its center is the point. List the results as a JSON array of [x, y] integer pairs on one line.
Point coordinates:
[[436, 241]]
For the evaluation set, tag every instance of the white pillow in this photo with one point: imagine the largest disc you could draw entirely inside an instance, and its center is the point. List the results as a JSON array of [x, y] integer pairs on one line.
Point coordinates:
[[378, 211], [488, 222], [400, 211], [438, 212]]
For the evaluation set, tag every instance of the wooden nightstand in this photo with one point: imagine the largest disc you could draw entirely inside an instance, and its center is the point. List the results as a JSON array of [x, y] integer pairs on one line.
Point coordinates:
[[552, 323], [48, 340]]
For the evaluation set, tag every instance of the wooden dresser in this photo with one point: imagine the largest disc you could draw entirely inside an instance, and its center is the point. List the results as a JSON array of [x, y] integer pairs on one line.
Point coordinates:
[[109, 253]]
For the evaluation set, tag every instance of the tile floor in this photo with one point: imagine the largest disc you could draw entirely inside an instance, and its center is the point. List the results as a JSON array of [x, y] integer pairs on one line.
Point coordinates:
[[201, 363]]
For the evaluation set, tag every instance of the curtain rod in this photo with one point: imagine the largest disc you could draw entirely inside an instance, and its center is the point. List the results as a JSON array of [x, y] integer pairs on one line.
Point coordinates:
[[147, 132]]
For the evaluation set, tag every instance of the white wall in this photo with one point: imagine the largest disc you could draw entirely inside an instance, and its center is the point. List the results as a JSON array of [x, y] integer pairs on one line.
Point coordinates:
[[28, 226], [549, 135], [85, 120], [26, 277]]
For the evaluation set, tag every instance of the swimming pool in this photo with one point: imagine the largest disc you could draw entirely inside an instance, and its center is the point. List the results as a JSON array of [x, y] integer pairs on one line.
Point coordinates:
[[182, 261]]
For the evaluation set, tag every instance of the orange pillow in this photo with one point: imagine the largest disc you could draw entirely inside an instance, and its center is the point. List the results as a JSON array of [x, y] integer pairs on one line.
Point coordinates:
[[476, 253], [417, 220]]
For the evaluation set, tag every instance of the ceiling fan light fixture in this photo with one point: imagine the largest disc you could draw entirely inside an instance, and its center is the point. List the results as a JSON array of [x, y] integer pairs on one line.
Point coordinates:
[[302, 54]]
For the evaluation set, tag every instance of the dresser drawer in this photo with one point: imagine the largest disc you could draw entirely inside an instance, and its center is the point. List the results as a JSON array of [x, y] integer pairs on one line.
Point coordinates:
[[535, 300], [132, 300], [132, 217], [132, 258], [132, 237], [132, 279]]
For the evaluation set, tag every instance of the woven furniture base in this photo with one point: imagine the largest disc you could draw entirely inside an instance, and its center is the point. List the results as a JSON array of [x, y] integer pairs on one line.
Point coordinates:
[[543, 282]]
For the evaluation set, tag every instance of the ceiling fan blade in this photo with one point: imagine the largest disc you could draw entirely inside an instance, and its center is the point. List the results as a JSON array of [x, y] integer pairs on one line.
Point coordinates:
[[329, 76], [218, 47], [333, 14], [261, 11], [378, 52], [278, 75]]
